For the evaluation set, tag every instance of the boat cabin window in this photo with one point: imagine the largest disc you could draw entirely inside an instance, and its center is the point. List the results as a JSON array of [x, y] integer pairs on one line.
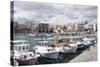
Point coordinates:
[[60, 41], [66, 45], [45, 44], [25, 56], [76, 39], [19, 48], [49, 49], [23, 47], [42, 44], [26, 47], [30, 54]]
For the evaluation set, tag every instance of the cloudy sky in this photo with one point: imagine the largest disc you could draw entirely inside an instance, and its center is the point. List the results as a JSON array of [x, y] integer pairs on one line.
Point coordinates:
[[25, 11]]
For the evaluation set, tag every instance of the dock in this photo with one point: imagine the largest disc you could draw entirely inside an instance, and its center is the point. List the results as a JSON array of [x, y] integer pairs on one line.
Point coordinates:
[[86, 56]]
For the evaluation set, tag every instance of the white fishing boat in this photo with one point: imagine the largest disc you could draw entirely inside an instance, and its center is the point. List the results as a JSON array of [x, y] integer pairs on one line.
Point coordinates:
[[22, 53], [64, 46], [45, 50], [75, 42], [69, 47], [78, 40]]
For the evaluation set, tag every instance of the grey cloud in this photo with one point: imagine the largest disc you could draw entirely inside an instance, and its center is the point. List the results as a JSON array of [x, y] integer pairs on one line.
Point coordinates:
[[46, 11], [38, 7]]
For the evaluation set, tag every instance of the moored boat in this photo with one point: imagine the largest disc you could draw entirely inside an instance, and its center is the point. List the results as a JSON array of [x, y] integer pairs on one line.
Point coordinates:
[[64, 46], [22, 54], [90, 40], [27, 58], [44, 49], [69, 48]]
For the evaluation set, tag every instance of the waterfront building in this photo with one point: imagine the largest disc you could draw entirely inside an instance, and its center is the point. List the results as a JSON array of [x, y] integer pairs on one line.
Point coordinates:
[[80, 27], [21, 28], [44, 28]]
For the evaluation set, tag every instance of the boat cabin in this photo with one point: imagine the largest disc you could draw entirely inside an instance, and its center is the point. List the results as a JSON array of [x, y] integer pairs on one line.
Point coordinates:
[[88, 41], [26, 55], [21, 45], [43, 43]]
